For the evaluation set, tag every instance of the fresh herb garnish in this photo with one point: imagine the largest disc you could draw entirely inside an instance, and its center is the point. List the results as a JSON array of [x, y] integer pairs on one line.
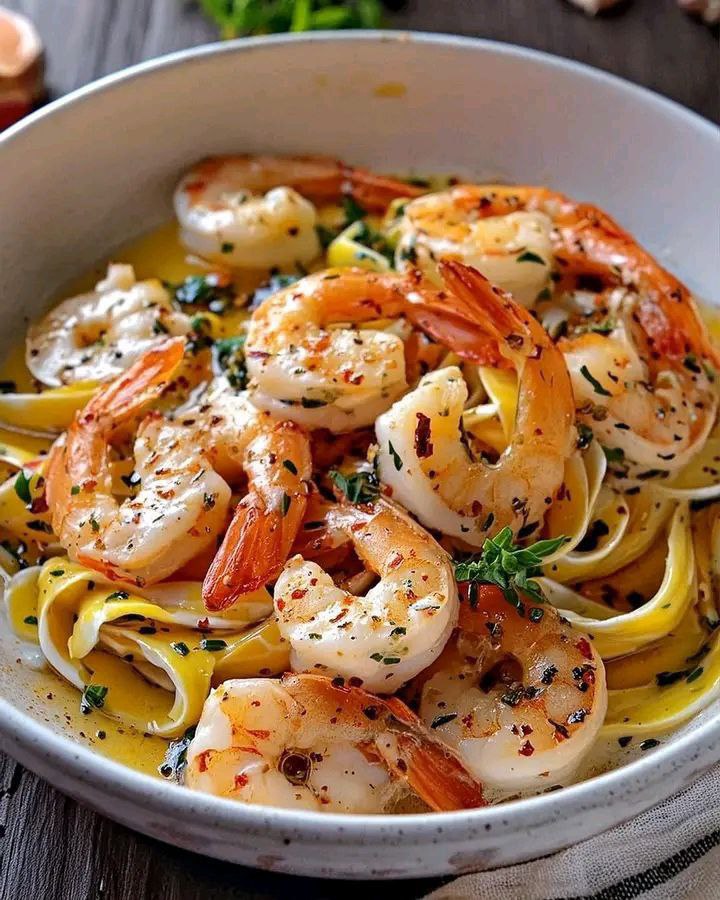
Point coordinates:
[[236, 18], [597, 387], [509, 567], [443, 720], [397, 461], [22, 487], [117, 595], [93, 697], [180, 647], [30, 620], [529, 256], [360, 487], [290, 466], [352, 209], [212, 644], [229, 360], [614, 454], [212, 291]]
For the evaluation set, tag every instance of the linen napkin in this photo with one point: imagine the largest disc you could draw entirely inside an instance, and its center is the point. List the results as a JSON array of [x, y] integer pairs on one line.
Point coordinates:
[[671, 852]]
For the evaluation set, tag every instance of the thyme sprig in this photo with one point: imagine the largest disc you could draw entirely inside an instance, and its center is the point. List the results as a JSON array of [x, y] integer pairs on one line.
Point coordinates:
[[508, 566]]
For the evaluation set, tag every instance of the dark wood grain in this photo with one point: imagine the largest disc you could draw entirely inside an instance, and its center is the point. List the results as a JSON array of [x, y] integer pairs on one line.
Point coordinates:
[[54, 849]]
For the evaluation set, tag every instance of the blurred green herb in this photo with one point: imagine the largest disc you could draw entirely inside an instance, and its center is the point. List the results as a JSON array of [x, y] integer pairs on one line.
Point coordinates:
[[236, 18]]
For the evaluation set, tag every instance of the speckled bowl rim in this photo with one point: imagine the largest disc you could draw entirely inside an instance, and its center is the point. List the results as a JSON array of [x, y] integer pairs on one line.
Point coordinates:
[[21, 734]]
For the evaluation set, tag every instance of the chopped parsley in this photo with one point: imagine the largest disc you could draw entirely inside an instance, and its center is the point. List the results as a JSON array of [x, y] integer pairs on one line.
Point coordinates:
[[443, 720], [397, 461], [529, 256], [360, 487], [212, 644], [229, 360], [597, 387], [180, 647], [30, 620], [93, 697], [22, 487], [212, 291]]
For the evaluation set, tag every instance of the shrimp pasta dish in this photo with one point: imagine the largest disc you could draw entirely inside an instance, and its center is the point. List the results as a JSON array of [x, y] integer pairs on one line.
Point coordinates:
[[363, 494]]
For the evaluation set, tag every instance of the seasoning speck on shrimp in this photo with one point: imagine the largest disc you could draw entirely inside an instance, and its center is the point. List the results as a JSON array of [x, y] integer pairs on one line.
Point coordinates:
[[520, 695], [306, 743], [397, 629], [422, 456]]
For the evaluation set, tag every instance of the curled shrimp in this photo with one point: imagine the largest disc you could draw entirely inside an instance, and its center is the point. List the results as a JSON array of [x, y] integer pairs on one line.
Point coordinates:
[[656, 414], [401, 624], [586, 241], [518, 693], [258, 212], [96, 336], [303, 742], [182, 503], [513, 251], [421, 454], [319, 376]]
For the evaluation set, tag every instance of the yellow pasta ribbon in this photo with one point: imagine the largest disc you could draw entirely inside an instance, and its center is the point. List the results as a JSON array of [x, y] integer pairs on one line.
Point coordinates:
[[157, 652], [618, 634], [346, 250], [51, 411]]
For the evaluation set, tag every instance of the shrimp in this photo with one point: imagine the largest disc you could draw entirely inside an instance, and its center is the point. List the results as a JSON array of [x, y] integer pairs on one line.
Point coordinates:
[[646, 388], [422, 457], [303, 742], [96, 336], [587, 242], [275, 457], [654, 413], [340, 379], [397, 629], [513, 251], [183, 500], [518, 693], [257, 211]]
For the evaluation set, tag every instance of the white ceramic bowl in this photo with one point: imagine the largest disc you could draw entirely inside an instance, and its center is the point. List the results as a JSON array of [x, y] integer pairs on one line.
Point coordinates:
[[98, 167]]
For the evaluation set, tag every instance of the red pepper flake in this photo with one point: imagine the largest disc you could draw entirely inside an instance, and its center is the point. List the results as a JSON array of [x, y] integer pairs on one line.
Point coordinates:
[[527, 749], [203, 624], [298, 593], [240, 781], [259, 733], [280, 604], [395, 561], [202, 760], [584, 647], [423, 445]]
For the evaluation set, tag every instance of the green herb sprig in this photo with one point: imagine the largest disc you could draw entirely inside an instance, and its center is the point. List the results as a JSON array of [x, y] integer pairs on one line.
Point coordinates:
[[509, 567], [244, 17], [360, 487]]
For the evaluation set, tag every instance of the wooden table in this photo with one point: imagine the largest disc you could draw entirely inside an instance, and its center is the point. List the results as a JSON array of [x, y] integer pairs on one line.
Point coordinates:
[[54, 849]]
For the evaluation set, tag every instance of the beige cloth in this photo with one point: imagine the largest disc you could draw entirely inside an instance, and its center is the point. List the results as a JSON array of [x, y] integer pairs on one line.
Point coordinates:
[[671, 852]]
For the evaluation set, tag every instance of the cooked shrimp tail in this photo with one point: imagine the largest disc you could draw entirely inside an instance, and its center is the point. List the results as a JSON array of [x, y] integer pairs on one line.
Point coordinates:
[[432, 770], [267, 520]]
